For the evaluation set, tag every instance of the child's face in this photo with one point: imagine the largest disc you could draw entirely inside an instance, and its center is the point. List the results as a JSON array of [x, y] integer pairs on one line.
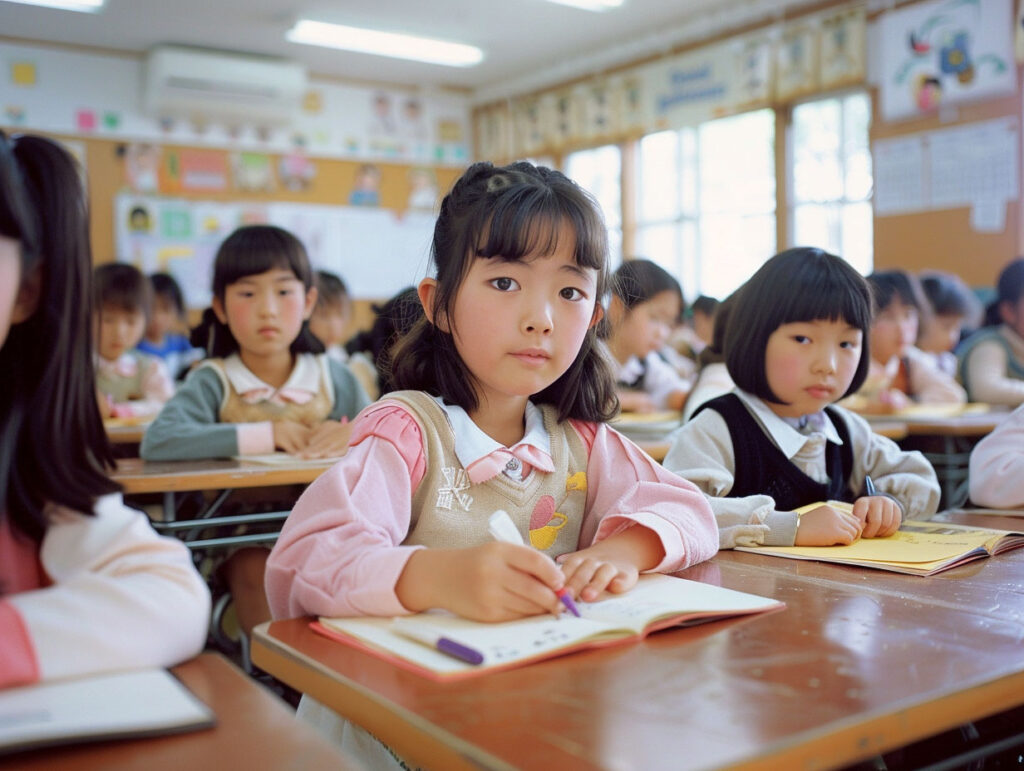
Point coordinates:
[[265, 311], [893, 331], [329, 322], [163, 318], [646, 326], [518, 326], [811, 364], [704, 326], [118, 331], [940, 333]]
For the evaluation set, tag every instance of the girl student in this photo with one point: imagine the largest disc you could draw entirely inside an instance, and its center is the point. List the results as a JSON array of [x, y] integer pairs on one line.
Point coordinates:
[[129, 383], [369, 351], [267, 386], [953, 307], [992, 359], [646, 305], [795, 343], [506, 394], [899, 372], [86, 586], [332, 314]]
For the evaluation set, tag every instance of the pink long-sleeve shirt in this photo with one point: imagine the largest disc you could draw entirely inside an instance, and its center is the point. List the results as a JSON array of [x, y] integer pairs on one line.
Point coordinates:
[[341, 551]]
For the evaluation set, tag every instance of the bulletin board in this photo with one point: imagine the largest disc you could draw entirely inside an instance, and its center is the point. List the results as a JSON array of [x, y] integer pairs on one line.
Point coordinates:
[[959, 238], [331, 186]]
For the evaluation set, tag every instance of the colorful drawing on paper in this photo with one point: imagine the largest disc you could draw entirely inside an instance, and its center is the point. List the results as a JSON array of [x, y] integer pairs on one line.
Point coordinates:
[[945, 52]]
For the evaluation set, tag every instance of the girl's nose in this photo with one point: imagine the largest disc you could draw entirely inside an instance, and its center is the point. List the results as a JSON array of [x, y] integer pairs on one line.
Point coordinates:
[[538, 318], [826, 361]]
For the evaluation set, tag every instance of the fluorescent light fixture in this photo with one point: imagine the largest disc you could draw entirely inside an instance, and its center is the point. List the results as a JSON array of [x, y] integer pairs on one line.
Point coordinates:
[[369, 41], [591, 5], [85, 6]]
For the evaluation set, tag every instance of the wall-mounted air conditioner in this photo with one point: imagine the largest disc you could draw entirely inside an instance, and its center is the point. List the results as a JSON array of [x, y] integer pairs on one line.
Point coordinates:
[[215, 86]]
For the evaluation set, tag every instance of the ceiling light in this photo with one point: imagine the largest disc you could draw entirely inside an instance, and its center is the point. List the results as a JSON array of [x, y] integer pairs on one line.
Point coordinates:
[[590, 5], [369, 41], [86, 6]]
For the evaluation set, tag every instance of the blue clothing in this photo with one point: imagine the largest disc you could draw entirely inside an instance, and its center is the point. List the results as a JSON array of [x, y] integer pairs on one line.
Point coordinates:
[[176, 351]]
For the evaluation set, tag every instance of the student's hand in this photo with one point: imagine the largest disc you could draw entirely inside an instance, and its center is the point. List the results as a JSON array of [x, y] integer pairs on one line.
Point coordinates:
[[826, 526], [894, 399], [881, 516], [492, 582], [328, 440], [613, 564], [636, 401], [291, 436]]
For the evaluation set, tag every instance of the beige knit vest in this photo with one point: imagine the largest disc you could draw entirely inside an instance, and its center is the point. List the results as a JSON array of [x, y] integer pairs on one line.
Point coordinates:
[[450, 512], [234, 409]]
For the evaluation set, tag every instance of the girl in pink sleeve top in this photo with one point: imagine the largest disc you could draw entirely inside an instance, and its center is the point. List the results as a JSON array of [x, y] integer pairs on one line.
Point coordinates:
[[507, 391], [85, 584]]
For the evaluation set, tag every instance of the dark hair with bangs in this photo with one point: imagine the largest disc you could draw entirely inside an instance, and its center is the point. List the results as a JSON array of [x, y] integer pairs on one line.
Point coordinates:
[[249, 251], [799, 284], [331, 290], [889, 285], [165, 286], [122, 286], [1009, 290], [636, 281], [53, 448], [509, 212]]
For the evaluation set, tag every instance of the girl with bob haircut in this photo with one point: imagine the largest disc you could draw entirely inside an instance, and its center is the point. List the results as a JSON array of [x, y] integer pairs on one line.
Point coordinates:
[[505, 391], [795, 344], [86, 586]]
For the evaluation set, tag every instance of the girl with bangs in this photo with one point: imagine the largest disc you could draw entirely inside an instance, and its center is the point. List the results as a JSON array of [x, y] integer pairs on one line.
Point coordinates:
[[504, 390], [796, 343]]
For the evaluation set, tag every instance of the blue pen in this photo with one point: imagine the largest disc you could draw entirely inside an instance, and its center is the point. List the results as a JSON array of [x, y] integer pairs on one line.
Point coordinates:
[[869, 485], [431, 637], [503, 528]]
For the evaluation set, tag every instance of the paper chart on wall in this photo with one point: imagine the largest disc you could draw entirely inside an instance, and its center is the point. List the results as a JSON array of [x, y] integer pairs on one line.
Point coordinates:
[[899, 169]]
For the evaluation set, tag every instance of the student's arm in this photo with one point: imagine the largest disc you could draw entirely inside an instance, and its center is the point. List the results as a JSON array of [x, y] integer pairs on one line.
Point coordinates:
[[627, 488], [930, 384], [987, 377], [905, 476], [997, 466], [340, 552], [701, 451], [663, 383], [349, 396], [121, 597], [187, 427]]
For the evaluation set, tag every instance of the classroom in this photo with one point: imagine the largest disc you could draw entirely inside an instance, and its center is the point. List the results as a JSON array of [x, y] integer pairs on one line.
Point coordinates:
[[726, 290]]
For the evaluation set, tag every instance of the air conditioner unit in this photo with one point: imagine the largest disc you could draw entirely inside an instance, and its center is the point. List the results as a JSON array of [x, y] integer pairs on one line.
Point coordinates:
[[222, 87]]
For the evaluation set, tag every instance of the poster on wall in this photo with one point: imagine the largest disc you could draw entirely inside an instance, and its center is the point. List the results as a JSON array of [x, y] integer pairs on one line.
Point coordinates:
[[376, 251], [843, 48], [944, 52], [690, 89], [754, 70], [796, 61]]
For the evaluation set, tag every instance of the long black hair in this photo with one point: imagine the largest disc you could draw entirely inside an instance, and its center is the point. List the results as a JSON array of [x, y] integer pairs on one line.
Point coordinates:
[[53, 447]]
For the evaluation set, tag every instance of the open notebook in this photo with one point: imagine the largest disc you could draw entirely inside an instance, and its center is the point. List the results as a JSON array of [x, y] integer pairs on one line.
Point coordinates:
[[918, 548], [656, 602], [147, 702]]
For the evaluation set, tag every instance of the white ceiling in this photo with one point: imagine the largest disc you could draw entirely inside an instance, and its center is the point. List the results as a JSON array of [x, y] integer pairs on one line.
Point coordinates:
[[527, 43]]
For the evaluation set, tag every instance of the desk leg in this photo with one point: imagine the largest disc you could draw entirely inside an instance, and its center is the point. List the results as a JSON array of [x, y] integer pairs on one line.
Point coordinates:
[[170, 512]]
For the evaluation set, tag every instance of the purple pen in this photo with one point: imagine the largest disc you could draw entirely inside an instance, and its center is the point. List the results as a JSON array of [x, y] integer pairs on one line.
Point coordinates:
[[566, 598], [430, 637]]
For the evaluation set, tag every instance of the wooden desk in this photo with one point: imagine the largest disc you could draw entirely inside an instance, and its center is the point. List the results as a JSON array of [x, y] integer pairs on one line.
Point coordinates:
[[144, 476], [119, 433], [860, 662], [254, 730]]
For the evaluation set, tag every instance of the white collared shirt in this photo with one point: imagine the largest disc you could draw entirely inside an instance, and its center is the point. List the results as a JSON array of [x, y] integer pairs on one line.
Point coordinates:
[[472, 444]]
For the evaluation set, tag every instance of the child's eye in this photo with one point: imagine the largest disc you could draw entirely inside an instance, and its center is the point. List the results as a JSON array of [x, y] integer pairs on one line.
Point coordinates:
[[572, 293], [504, 284], [848, 344], [801, 339]]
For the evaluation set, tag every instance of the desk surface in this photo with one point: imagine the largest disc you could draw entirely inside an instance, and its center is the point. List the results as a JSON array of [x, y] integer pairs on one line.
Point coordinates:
[[971, 424], [138, 476], [859, 662], [254, 730]]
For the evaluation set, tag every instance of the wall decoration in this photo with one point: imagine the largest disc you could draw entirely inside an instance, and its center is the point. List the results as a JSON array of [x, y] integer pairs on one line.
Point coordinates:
[[85, 121], [367, 186], [252, 172], [142, 167], [843, 48], [423, 189], [754, 70], [796, 60], [23, 74], [944, 52]]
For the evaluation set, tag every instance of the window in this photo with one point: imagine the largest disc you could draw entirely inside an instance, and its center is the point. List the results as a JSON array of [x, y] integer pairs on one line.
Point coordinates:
[[706, 208], [599, 171], [831, 178]]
